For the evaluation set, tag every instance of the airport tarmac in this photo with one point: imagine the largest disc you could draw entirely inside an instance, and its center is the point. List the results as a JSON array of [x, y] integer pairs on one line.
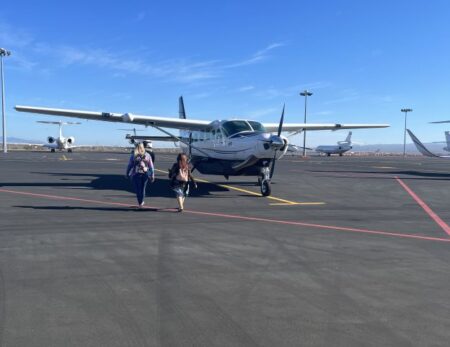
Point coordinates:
[[347, 252]]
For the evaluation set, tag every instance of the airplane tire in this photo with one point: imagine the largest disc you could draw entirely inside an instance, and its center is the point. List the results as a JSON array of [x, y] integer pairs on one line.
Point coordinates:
[[266, 189], [69, 151], [52, 150], [340, 154]]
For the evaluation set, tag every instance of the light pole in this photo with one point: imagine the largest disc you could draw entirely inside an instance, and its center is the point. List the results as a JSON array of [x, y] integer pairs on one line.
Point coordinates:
[[305, 93], [405, 110], [3, 53]]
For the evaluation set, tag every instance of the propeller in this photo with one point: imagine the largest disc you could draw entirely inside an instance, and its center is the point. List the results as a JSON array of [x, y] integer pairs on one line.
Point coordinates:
[[280, 128]]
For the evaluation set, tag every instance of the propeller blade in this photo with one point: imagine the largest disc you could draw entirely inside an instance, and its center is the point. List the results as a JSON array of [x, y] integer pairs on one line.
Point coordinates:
[[272, 168], [280, 126]]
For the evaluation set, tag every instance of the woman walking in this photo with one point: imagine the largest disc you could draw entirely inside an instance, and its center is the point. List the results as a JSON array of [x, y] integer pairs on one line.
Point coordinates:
[[180, 174], [140, 169]]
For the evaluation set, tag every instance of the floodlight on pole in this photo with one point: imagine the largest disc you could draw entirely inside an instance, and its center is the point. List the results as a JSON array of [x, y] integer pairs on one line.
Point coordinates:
[[405, 110], [305, 93], [3, 53]]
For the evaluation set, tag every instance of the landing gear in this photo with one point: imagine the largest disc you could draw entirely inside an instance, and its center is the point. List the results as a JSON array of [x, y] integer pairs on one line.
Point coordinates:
[[264, 182], [52, 150], [266, 188], [69, 151], [340, 154]]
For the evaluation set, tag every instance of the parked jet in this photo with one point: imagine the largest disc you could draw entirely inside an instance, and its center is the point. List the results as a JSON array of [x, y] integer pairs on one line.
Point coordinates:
[[422, 149], [340, 148], [59, 143], [447, 142], [229, 147]]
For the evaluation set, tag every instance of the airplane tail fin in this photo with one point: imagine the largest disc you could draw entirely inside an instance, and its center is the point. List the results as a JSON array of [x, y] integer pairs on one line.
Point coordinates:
[[181, 111], [348, 139], [447, 138], [419, 145]]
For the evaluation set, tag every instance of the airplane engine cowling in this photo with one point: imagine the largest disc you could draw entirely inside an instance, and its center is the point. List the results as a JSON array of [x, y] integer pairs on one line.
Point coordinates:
[[71, 140], [50, 139]]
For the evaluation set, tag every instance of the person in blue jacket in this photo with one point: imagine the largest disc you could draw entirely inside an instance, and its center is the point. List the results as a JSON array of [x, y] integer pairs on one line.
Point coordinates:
[[140, 169]]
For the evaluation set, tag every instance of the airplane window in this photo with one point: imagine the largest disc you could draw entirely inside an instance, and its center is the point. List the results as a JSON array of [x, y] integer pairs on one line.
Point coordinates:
[[235, 126], [257, 126]]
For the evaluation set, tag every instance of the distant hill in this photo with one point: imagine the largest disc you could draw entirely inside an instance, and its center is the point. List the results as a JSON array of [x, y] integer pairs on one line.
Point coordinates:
[[398, 148], [20, 140]]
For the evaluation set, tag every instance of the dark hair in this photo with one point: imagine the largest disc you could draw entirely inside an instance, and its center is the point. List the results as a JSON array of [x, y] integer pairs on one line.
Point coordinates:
[[182, 160]]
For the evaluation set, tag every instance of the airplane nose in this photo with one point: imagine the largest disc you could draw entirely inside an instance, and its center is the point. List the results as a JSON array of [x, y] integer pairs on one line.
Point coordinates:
[[276, 142]]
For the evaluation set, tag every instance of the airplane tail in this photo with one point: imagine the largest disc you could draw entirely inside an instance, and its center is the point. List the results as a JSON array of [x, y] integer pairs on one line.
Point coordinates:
[[348, 139], [447, 138], [181, 111], [420, 147]]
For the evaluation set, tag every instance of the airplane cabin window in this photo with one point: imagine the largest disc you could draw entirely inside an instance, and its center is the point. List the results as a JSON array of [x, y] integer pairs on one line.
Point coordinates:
[[257, 126], [235, 126]]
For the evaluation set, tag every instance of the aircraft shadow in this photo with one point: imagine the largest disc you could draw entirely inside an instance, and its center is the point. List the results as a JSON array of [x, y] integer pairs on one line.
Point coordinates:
[[159, 188], [106, 209]]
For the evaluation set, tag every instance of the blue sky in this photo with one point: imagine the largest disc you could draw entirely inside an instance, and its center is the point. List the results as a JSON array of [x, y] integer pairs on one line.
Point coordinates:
[[363, 61]]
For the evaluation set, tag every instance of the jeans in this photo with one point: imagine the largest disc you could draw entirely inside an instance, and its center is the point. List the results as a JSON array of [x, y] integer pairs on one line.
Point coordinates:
[[140, 182]]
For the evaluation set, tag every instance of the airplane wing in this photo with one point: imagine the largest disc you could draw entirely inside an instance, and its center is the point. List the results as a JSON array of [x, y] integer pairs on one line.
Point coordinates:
[[164, 122], [440, 122], [153, 138], [272, 127], [422, 149]]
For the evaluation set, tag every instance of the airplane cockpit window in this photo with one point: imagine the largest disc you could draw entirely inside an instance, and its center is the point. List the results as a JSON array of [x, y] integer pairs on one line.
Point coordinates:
[[257, 126], [235, 126]]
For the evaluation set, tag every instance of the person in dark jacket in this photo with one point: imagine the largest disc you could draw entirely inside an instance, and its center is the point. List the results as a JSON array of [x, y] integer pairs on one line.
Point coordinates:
[[140, 169], [180, 175]]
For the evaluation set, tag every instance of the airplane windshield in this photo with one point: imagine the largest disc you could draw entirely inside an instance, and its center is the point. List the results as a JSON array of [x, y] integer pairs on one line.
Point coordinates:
[[235, 126], [257, 126]]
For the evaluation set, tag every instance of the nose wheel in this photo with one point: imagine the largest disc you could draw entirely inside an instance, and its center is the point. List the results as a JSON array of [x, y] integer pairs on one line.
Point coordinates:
[[264, 182]]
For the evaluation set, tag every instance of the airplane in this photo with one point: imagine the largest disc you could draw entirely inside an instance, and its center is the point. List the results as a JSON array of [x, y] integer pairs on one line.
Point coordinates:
[[230, 147], [60, 143], [447, 138], [340, 148], [422, 149]]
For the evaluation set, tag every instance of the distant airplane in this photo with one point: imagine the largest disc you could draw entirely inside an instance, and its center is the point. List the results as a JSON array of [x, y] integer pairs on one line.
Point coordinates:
[[447, 142], [230, 147], [60, 143], [441, 122], [422, 149], [340, 148]]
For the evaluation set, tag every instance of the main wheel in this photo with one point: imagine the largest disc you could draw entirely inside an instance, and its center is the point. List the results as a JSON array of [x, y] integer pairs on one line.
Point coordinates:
[[265, 188], [69, 151], [52, 150]]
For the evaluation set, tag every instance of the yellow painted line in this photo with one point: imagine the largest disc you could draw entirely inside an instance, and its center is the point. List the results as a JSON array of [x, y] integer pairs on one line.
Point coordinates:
[[282, 201], [63, 157]]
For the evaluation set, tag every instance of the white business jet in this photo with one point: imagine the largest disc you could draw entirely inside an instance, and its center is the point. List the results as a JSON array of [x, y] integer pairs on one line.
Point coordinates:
[[340, 148], [447, 141], [229, 147], [59, 143]]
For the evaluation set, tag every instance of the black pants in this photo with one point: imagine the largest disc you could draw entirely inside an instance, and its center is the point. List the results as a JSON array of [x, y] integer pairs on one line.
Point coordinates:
[[140, 182]]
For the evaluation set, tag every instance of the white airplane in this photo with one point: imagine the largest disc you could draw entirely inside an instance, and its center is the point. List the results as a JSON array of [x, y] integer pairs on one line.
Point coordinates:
[[60, 143], [447, 142], [340, 148], [422, 149], [229, 147]]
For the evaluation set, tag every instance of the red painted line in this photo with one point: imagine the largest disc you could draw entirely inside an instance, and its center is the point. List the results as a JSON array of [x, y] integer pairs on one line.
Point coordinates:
[[426, 208], [239, 217]]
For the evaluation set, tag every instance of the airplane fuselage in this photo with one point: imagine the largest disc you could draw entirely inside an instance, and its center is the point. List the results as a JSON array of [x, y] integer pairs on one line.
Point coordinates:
[[338, 149]]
